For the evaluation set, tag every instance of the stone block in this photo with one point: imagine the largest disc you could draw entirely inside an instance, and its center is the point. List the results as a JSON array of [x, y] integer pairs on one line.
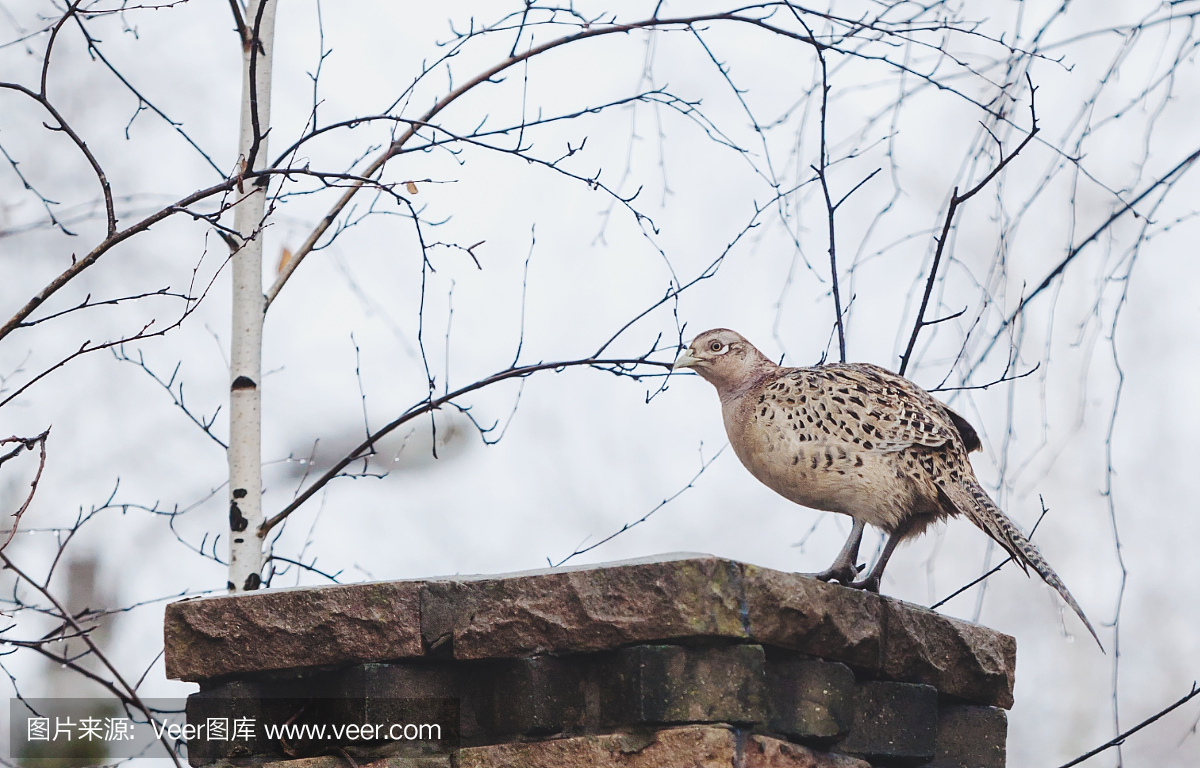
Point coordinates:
[[809, 699], [971, 737], [537, 696], [894, 724], [693, 746], [590, 608], [677, 684], [231, 702], [960, 659], [400, 680], [288, 628], [789, 610], [404, 692], [441, 603]]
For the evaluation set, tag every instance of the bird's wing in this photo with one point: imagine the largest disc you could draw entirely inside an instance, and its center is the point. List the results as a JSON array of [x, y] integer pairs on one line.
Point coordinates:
[[892, 411], [970, 437]]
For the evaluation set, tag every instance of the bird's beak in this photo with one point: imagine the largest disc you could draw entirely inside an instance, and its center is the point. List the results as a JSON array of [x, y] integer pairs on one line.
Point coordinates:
[[685, 360]]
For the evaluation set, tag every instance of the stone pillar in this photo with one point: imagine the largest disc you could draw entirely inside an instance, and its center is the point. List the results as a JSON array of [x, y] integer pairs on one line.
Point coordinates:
[[678, 661]]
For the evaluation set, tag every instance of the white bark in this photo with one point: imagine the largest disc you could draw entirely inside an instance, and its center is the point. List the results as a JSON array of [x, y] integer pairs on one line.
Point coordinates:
[[245, 421]]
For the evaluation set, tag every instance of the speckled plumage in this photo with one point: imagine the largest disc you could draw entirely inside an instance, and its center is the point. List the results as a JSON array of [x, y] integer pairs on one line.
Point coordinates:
[[856, 439]]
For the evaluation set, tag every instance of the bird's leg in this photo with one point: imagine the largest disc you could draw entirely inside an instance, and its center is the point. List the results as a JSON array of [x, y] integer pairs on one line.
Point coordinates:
[[844, 568], [871, 582]]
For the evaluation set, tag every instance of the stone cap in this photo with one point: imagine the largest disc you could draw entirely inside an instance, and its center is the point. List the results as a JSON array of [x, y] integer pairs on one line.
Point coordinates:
[[676, 598]]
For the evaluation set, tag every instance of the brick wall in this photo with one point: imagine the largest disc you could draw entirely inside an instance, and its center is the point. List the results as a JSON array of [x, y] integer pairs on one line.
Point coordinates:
[[682, 660]]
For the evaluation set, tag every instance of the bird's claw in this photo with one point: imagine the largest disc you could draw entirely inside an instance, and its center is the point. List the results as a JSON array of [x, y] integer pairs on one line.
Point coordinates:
[[844, 573], [869, 584]]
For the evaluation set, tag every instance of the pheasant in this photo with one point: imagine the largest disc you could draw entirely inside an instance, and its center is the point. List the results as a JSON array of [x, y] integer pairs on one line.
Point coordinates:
[[857, 439]]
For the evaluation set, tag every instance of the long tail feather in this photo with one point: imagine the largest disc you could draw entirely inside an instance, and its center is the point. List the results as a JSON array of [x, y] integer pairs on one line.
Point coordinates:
[[974, 502]]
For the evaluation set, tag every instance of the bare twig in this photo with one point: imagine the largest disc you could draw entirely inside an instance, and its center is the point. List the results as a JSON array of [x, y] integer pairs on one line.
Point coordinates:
[[240, 22], [129, 690], [27, 444], [620, 366], [990, 573], [205, 424], [591, 30], [955, 201], [1120, 739], [1167, 179], [106, 245], [691, 483]]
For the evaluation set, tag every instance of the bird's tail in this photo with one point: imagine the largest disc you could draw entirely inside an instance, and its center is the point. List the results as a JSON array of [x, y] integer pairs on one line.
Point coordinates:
[[974, 502]]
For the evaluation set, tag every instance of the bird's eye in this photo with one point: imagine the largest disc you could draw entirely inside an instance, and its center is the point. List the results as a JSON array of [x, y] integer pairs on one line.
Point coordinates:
[[715, 345]]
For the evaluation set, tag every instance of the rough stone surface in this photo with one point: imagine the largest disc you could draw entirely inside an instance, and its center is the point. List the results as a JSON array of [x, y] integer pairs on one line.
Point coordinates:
[[789, 610], [964, 660], [676, 684], [766, 752], [672, 599], [585, 609], [281, 629], [894, 723], [331, 761], [537, 696], [903, 642], [687, 747], [971, 737], [809, 698]]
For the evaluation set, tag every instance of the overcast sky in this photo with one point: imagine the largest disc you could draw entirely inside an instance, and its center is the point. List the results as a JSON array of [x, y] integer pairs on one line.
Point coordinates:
[[562, 266]]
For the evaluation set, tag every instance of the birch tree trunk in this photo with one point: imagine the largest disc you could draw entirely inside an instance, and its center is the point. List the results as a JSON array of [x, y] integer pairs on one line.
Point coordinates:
[[245, 419]]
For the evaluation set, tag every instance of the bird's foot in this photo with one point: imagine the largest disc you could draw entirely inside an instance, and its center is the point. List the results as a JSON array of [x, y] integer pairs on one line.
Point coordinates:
[[869, 584], [843, 574]]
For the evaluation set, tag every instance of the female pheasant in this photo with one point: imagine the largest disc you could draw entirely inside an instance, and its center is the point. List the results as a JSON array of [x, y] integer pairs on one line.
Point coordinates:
[[856, 439]]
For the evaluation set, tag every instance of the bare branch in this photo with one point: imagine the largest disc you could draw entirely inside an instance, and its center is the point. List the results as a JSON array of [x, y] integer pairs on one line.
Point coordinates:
[[619, 366], [955, 201], [990, 573], [130, 691], [27, 444], [1168, 180], [205, 424], [240, 22], [1120, 739], [113, 239], [396, 146]]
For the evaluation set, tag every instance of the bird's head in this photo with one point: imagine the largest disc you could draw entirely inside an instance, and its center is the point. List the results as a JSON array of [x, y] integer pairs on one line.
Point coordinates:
[[725, 359]]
